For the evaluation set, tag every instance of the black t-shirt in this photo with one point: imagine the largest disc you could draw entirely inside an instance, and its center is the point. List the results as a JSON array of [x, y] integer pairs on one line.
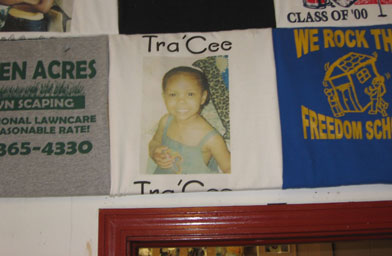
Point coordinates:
[[170, 16]]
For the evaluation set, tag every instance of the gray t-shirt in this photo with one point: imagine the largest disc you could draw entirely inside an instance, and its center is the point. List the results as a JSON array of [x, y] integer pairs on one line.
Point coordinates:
[[54, 131]]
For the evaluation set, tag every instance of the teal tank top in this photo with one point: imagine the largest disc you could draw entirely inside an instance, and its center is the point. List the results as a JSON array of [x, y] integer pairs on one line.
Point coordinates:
[[192, 158]]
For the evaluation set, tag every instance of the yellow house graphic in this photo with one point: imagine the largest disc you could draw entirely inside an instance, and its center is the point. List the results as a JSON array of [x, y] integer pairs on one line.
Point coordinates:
[[352, 84]]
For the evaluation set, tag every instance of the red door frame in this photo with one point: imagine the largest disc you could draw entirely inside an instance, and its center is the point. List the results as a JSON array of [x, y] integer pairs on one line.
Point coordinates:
[[121, 231]]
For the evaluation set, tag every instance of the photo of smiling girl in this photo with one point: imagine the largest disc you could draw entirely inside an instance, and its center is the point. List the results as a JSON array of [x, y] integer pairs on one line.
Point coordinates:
[[185, 142]]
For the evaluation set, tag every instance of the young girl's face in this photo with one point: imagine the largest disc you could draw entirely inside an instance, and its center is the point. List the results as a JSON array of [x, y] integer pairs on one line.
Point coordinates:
[[184, 96]]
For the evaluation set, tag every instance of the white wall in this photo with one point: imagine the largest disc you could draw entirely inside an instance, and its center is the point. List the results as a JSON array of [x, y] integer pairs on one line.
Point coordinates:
[[69, 226]]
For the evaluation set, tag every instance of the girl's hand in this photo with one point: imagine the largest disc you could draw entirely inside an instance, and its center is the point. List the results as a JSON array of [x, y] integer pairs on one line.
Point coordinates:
[[31, 1], [162, 157]]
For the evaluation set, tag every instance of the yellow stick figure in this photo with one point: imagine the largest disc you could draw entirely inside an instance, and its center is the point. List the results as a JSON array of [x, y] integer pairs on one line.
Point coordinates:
[[375, 91]]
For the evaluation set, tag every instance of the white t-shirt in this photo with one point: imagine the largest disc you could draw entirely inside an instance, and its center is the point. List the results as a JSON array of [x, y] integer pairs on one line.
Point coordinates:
[[321, 13], [242, 61]]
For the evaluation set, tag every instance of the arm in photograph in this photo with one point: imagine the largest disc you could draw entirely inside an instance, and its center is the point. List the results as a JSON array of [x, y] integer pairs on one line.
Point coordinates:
[[42, 5], [157, 151], [30, 5], [31, 1], [156, 140], [220, 152], [12, 2]]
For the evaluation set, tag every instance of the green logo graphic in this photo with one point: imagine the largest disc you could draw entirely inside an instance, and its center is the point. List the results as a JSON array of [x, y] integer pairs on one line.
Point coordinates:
[[42, 96]]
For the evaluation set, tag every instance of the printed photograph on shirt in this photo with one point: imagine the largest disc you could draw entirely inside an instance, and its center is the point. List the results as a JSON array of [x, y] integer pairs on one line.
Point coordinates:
[[186, 120], [35, 15]]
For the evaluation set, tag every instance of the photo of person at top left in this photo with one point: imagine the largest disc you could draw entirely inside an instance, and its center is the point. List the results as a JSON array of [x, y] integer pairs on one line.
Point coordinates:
[[33, 16]]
